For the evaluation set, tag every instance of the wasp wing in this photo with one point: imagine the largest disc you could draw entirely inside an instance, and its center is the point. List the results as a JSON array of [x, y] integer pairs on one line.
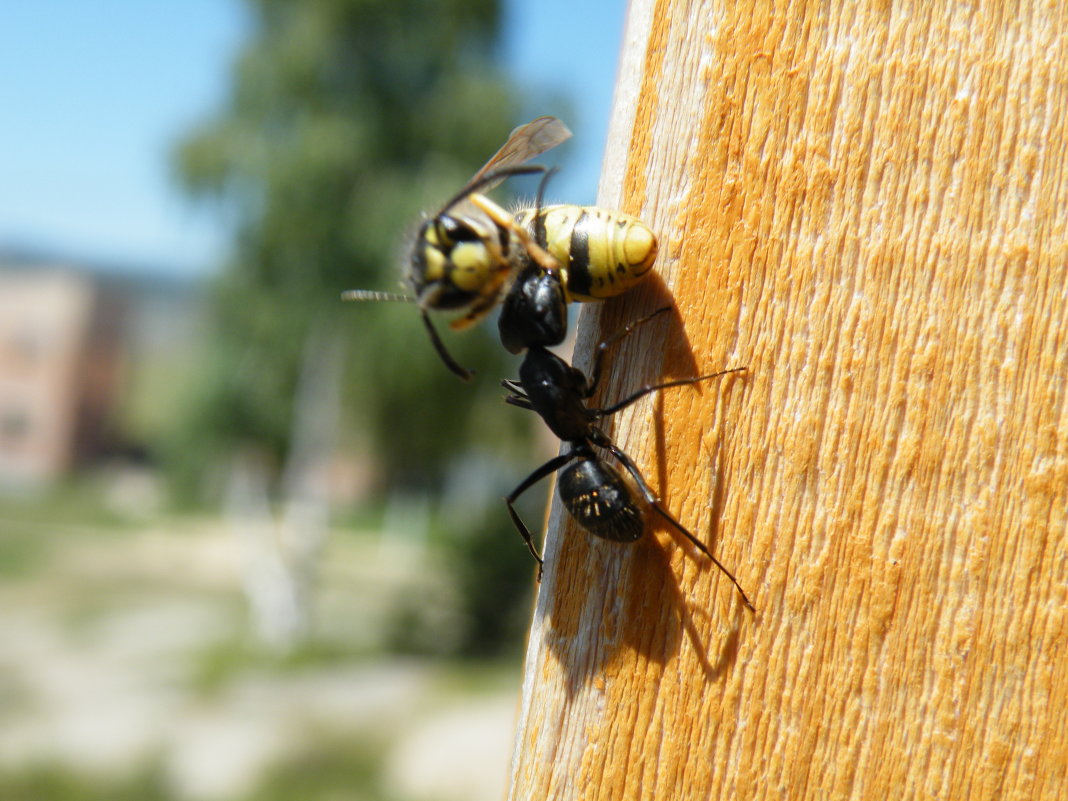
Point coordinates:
[[524, 143]]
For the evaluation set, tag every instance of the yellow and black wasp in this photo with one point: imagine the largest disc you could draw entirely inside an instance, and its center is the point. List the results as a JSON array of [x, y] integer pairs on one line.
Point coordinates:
[[473, 254]]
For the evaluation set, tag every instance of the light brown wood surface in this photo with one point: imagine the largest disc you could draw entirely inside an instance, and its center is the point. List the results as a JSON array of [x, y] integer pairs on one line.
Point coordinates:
[[866, 204]]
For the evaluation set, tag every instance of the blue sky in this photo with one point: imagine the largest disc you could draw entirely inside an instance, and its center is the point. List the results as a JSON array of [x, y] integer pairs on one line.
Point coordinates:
[[94, 95]]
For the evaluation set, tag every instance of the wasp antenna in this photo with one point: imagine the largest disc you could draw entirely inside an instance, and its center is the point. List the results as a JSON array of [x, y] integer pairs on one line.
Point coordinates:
[[371, 294], [485, 182]]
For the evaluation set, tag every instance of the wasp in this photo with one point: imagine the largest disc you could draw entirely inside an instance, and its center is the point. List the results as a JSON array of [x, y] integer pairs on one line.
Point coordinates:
[[594, 491], [472, 254]]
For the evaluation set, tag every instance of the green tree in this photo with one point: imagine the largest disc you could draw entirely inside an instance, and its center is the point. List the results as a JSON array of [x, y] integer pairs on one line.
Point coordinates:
[[345, 118]]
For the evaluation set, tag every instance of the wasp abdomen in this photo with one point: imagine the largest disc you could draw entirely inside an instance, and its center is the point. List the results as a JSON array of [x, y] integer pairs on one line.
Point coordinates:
[[603, 253], [601, 501]]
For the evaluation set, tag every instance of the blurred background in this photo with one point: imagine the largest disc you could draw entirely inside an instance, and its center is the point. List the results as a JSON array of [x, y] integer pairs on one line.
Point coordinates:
[[252, 541]]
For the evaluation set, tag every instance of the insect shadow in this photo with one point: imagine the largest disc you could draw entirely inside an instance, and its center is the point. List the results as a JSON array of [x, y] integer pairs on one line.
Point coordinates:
[[612, 505], [600, 598]]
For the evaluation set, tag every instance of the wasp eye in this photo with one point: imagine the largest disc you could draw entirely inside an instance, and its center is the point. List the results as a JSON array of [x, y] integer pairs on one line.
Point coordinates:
[[458, 231]]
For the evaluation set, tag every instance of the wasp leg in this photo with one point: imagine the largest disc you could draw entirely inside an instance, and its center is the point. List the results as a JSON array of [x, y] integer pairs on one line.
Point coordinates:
[[654, 502], [439, 346], [546, 469], [540, 255], [491, 293], [641, 393]]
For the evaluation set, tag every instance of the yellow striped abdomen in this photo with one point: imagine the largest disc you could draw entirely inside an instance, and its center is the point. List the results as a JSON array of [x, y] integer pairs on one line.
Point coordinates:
[[603, 253]]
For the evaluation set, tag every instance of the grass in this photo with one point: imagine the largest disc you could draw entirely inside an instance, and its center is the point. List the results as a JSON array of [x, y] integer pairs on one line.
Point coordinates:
[[49, 782], [217, 665], [33, 524], [77, 505], [329, 769], [86, 570]]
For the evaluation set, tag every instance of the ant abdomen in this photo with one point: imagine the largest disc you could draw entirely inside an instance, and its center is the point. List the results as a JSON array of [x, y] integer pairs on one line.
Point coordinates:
[[601, 501]]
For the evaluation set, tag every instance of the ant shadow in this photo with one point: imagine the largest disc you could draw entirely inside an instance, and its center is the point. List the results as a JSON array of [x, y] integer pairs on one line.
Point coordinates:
[[627, 595], [667, 336]]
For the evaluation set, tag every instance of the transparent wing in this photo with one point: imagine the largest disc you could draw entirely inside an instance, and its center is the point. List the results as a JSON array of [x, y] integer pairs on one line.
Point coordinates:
[[524, 143]]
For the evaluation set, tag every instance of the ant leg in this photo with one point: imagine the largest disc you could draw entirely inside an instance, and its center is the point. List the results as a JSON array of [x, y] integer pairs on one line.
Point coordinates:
[[654, 502], [667, 516], [439, 346], [517, 396], [546, 469], [641, 393], [595, 372], [513, 386], [520, 401]]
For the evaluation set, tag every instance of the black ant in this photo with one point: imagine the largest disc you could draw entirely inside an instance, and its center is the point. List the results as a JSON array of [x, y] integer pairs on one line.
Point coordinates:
[[593, 491]]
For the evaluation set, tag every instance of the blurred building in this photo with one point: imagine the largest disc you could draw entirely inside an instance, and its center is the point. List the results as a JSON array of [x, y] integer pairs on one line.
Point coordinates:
[[78, 344], [61, 361]]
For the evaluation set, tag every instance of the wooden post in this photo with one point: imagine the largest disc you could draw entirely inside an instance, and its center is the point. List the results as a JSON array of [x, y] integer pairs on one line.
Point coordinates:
[[866, 204]]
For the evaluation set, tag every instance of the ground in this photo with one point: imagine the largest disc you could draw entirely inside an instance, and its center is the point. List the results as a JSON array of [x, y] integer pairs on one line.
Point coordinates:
[[130, 650]]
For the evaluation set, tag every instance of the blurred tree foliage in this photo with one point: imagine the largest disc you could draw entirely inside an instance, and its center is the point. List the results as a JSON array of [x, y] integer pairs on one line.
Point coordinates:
[[345, 119]]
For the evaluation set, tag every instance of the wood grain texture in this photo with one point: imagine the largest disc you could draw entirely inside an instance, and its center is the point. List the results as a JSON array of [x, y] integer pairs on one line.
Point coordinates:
[[866, 204]]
